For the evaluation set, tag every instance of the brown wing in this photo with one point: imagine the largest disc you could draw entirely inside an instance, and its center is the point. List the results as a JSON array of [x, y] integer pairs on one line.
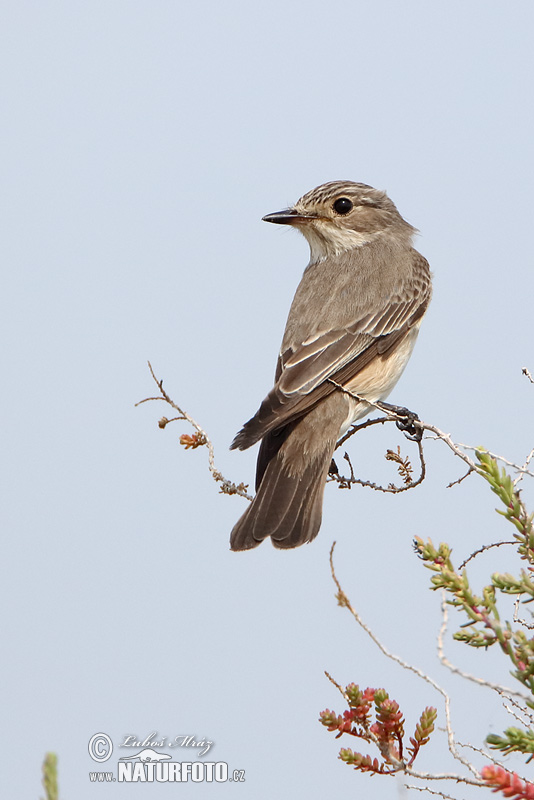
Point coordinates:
[[303, 373]]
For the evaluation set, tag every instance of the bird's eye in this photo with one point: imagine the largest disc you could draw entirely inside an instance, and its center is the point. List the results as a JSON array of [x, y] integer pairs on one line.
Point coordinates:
[[343, 205]]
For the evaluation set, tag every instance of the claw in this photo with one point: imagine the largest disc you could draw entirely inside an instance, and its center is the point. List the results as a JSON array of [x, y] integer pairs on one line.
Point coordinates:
[[409, 425]]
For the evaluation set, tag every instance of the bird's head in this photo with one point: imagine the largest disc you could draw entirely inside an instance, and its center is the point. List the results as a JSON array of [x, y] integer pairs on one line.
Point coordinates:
[[341, 215]]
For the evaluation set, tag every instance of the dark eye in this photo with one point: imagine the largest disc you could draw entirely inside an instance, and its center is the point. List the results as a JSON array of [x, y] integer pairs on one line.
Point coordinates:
[[343, 205]]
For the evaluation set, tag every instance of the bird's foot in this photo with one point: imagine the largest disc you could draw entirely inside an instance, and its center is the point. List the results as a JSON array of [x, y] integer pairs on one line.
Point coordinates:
[[409, 423]]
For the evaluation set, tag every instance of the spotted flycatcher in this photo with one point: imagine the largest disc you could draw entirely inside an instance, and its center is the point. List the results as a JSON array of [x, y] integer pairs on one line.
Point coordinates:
[[352, 324]]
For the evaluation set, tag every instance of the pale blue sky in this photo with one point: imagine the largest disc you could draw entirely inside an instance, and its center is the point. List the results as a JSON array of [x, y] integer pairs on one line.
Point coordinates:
[[142, 142]]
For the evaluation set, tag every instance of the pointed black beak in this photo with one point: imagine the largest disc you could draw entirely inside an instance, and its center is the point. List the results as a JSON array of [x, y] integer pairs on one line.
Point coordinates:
[[289, 216]]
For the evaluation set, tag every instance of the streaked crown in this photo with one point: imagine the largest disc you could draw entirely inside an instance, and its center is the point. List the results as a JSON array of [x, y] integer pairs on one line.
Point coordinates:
[[341, 215]]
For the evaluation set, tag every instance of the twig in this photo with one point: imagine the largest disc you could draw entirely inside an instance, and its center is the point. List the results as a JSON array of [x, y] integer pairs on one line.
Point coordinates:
[[521, 470], [430, 791], [480, 750], [367, 424], [424, 426], [227, 487], [336, 684], [502, 690], [390, 415], [446, 437], [527, 714], [517, 618], [524, 470], [459, 480], [516, 716], [481, 550], [446, 776], [345, 483], [343, 600]]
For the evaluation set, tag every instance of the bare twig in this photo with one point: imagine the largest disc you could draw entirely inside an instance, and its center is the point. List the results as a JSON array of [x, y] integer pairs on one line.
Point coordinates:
[[517, 618], [446, 437], [516, 716], [445, 776], [346, 482], [343, 600], [336, 684], [482, 550], [367, 424], [480, 750], [391, 413], [227, 487], [430, 791], [527, 373], [459, 480], [516, 467], [524, 470], [398, 417], [528, 716], [502, 690]]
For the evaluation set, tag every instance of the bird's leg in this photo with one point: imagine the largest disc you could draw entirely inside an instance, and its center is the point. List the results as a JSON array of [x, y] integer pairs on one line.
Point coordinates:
[[410, 422], [333, 470]]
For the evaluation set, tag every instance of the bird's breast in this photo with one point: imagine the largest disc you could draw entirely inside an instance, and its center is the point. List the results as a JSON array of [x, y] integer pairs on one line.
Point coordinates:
[[377, 380]]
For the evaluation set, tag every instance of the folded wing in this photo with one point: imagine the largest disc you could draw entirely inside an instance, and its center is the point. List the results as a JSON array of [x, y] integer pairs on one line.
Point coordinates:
[[304, 372]]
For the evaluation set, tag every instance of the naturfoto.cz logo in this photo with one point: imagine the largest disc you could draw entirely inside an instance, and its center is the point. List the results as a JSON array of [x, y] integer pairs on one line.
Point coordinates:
[[149, 765], [169, 772]]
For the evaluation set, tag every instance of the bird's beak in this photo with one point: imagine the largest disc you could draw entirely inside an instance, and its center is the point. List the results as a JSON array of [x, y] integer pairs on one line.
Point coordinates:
[[289, 216]]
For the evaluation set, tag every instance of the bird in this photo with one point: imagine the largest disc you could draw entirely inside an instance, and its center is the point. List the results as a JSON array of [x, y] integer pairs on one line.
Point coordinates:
[[351, 330]]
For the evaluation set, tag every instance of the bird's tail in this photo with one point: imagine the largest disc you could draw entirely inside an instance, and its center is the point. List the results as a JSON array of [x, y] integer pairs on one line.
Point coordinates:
[[289, 501]]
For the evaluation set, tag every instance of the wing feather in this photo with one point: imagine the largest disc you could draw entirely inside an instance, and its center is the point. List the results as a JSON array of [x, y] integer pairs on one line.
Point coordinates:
[[303, 371]]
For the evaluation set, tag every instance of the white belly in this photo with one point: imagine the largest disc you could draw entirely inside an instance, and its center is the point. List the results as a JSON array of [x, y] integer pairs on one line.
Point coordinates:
[[377, 379]]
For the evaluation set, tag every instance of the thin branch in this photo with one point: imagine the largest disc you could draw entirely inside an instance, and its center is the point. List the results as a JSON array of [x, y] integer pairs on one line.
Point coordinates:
[[516, 467], [517, 618], [524, 470], [459, 480], [343, 600], [528, 717], [446, 437], [502, 690], [430, 791], [398, 416], [394, 414], [227, 487], [424, 426], [345, 483], [481, 550], [338, 687], [515, 715], [446, 776], [482, 752], [367, 424]]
